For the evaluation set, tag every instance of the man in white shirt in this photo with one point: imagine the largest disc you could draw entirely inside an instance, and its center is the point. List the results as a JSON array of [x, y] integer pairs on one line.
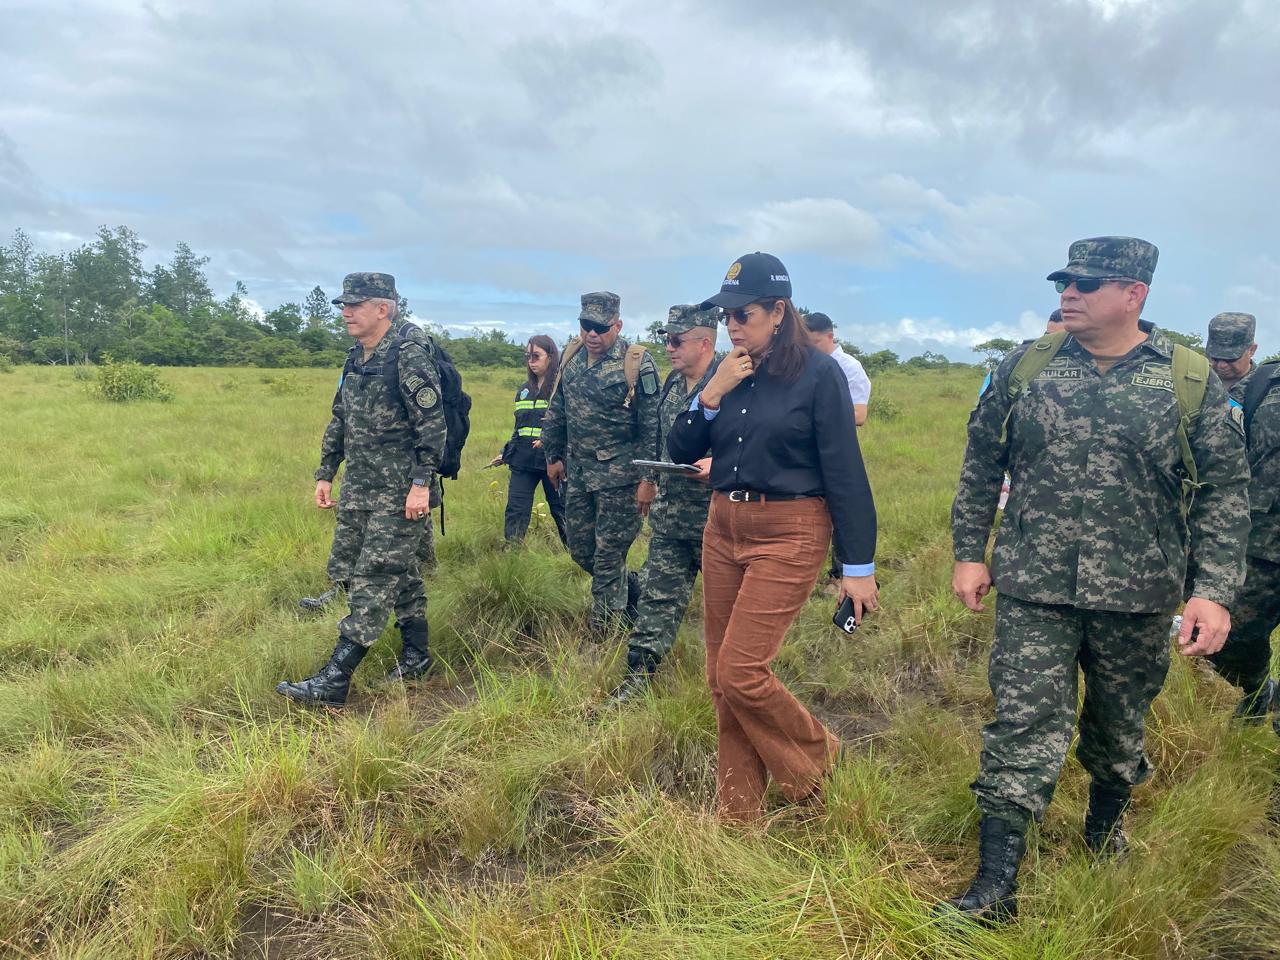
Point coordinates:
[[822, 335]]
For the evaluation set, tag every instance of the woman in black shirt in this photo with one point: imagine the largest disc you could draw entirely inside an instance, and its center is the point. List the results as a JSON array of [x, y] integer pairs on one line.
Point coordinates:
[[523, 452], [787, 474]]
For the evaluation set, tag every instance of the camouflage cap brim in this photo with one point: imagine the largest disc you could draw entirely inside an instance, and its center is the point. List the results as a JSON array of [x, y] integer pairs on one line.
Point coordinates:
[[1073, 270], [350, 298]]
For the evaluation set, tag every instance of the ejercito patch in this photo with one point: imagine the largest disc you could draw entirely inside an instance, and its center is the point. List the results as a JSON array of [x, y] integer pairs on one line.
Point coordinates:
[[1158, 376], [426, 398]]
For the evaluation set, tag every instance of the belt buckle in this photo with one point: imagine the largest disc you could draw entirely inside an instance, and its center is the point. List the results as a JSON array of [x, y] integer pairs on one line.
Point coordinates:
[[738, 496]]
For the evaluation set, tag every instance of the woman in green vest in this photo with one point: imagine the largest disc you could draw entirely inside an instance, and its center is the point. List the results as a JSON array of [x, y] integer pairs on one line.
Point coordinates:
[[523, 452]]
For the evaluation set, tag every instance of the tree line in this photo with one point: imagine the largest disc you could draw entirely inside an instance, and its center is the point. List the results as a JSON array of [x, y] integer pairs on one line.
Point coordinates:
[[100, 300]]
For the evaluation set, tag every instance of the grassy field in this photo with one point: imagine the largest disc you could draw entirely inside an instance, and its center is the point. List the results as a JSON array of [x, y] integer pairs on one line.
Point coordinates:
[[158, 799]]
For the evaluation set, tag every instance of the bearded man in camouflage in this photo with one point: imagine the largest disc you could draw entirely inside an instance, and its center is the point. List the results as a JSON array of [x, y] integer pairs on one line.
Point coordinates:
[[1091, 555], [597, 422], [677, 506], [388, 426]]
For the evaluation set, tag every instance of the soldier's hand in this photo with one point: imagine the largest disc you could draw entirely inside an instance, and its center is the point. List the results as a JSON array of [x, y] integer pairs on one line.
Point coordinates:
[[496, 461], [733, 369], [537, 444], [418, 503], [645, 493], [865, 593], [1214, 623], [704, 470], [324, 494], [971, 582], [555, 473]]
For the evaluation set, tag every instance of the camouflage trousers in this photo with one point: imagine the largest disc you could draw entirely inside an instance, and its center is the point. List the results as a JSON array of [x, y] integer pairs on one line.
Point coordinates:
[[377, 554], [601, 525], [1245, 659], [667, 582], [346, 548], [1033, 674]]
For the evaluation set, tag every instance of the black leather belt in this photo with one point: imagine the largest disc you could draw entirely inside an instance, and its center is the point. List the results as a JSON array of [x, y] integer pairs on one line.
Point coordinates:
[[754, 496]]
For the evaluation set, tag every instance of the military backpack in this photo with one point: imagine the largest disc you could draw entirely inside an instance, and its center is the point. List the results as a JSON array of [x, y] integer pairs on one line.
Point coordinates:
[[1190, 378], [1256, 391], [456, 401]]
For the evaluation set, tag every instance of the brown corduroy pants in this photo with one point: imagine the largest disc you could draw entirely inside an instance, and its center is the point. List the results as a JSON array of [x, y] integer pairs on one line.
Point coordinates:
[[760, 562]]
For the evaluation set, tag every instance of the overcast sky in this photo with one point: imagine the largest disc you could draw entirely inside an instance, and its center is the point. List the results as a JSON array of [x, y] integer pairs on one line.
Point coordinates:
[[918, 165]]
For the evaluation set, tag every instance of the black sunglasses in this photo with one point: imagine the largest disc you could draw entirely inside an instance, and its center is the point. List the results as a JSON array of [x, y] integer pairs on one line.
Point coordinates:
[[742, 313], [1089, 284], [593, 327]]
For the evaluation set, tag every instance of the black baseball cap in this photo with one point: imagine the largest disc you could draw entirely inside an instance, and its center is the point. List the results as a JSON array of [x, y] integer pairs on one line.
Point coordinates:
[[756, 276]]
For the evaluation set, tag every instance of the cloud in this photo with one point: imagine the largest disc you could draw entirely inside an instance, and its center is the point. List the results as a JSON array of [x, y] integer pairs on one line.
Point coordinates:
[[827, 225], [920, 160], [21, 192], [934, 333]]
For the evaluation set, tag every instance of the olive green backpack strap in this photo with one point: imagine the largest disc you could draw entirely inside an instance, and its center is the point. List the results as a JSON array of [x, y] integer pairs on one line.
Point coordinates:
[[570, 351], [631, 362], [1190, 378], [1029, 366]]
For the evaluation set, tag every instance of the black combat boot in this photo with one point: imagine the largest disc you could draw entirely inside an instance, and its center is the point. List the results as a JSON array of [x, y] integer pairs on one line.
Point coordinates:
[[632, 609], [1104, 821], [322, 601], [992, 896], [1257, 703], [415, 658], [641, 665], [328, 688]]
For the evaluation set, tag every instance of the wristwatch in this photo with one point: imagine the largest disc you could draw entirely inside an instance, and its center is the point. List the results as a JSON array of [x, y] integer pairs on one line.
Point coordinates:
[[419, 482]]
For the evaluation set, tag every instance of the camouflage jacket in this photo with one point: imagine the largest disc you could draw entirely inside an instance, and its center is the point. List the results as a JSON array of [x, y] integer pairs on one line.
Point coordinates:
[[680, 511], [386, 441], [1094, 515], [1264, 467], [590, 428]]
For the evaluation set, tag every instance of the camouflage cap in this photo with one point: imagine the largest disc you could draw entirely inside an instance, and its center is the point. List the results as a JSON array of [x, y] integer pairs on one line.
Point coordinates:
[[683, 317], [1230, 335], [1110, 257], [601, 307], [359, 287]]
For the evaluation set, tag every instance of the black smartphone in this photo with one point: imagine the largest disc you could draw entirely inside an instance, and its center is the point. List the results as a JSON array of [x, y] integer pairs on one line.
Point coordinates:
[[844, 616]]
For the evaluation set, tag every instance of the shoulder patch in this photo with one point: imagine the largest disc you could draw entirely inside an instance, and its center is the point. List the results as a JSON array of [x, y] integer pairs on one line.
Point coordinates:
[[524, 393], [1237, 415], [413, 383], [427, 397], [649, 382]]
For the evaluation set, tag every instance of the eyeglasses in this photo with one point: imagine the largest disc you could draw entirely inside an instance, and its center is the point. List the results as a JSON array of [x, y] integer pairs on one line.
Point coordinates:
[[674, 341], [741, 315], [592, 327], [1089, 284]]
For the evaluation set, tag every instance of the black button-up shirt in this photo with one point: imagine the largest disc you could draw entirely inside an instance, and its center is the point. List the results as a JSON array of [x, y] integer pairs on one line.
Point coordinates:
[[797, 438]]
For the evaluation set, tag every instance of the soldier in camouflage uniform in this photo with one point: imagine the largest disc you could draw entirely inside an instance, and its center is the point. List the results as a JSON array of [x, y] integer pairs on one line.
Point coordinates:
[[679, 512], [594, 428], [1245, 660], [388, 426], [1091, 555], [1230, 347]]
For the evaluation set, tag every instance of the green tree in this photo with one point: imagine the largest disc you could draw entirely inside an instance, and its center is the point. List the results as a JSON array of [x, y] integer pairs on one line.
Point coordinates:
[[285, 319], [877, 362], [318, 310], [1192, 340], [182, 285], [994, 350]]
